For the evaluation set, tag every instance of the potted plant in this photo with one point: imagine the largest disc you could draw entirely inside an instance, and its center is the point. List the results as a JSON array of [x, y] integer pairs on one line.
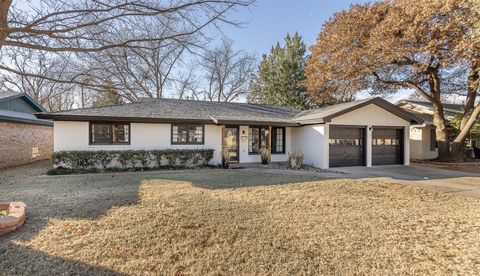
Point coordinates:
[[264, 154], [225, 159]]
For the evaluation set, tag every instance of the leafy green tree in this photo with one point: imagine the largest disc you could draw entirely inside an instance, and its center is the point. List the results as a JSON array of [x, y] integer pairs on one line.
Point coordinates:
[[280, 76]]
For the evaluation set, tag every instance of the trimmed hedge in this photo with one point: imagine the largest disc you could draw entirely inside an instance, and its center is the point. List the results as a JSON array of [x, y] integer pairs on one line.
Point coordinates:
[[132, 159]]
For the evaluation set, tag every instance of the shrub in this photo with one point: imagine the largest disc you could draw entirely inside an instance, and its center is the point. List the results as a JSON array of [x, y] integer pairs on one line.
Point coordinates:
[[103, 158], [143, 157], [136, 159], [126, 158], [296, 159]]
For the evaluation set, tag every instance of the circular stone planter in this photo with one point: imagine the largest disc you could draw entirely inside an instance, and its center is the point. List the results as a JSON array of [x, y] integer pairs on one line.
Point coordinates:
[[15, 217]]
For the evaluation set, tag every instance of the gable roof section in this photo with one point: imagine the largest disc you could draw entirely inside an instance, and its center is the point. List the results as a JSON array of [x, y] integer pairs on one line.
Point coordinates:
[[173, 110], [326, 114], [9, 95]]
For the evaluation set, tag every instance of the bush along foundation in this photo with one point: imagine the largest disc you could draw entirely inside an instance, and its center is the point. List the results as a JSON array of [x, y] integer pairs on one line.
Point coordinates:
[[66, 162]]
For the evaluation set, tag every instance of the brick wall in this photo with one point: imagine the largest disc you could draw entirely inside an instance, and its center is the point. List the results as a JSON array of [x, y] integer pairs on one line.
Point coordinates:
[[24, 143]]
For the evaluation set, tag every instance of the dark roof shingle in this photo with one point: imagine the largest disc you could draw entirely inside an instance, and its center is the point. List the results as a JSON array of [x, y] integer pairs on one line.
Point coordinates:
[[171, 110]]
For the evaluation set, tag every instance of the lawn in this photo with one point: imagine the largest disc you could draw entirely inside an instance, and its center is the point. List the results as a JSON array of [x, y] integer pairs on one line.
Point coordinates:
[[237, 222]]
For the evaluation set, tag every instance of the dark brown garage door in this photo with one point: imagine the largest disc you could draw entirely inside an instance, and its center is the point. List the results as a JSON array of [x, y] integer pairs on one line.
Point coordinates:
[[387, 146], [346, 146]]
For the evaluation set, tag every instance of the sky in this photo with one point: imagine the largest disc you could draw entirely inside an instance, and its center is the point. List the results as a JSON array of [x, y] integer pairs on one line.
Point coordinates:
[[268, 21]]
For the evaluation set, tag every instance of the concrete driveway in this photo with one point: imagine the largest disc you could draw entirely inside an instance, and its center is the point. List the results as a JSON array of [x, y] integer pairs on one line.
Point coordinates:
[[449, 181]]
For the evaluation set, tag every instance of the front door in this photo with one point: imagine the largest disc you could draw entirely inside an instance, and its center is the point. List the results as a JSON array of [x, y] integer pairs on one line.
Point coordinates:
[[230, 143]]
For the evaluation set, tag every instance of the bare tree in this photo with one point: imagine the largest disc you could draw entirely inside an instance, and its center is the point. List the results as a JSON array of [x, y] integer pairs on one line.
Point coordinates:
[[51, 95], [187, 85], [89, 26], [142, 72], [228, 73]]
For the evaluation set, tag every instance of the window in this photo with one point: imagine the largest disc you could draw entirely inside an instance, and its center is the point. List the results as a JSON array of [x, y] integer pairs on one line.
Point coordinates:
[[433, 140], [386, 142], [187, 135], [278, 140], [474, 143], [345, 142], [257, 138], [110, 133]]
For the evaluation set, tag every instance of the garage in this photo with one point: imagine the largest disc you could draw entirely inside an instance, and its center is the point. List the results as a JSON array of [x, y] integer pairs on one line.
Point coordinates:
[[366, 132], [347, 146], [387, 146]]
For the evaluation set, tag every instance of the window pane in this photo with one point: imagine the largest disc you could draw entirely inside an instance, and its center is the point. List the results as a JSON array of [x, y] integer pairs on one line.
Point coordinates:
[[101, 133], [263, 137], [187, 134], [175, 134], [253, 140], [199, 134], [279, 136], [120, 133]]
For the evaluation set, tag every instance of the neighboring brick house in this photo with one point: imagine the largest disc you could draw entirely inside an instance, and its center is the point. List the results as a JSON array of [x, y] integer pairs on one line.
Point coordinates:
[[23, 137]]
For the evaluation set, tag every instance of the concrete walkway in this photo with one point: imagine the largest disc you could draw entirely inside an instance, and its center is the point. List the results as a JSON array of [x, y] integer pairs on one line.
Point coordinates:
[[450, 181]]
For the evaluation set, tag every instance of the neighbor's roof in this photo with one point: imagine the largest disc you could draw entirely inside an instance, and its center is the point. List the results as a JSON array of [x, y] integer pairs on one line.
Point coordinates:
[[326, 114], [21, 117], [424, 109], [172, 110], [9, 95]]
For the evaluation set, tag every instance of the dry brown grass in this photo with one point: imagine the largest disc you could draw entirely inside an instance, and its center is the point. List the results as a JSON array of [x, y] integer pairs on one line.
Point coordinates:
[[306, 227]]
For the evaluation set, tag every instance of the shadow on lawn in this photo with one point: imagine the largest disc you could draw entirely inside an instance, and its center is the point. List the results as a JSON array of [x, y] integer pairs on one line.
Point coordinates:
[[90, 196], [15, 259], [65, 197], [228, 179]]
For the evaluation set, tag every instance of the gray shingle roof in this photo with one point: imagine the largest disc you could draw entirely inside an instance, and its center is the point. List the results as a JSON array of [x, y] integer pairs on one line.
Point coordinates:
[[446, 106], [186, 110], [171, 110], [425, 109]]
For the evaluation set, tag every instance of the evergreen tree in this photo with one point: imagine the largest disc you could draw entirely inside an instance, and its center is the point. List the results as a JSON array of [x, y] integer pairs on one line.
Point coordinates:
[[280, 76], [109, 96]]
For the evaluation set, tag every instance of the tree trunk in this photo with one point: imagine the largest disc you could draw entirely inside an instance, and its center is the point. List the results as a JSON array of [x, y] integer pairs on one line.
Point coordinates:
[[459, 142], [470, 115], [441, 130], [4, 8], [472, 89]]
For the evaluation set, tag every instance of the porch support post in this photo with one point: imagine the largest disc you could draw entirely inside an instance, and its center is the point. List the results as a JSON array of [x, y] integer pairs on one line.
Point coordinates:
[[269, 143], [368, 146], [223, 144], [406, 145]]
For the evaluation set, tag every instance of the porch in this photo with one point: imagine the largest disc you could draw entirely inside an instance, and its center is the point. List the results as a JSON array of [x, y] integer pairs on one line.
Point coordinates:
[[245, 144]]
